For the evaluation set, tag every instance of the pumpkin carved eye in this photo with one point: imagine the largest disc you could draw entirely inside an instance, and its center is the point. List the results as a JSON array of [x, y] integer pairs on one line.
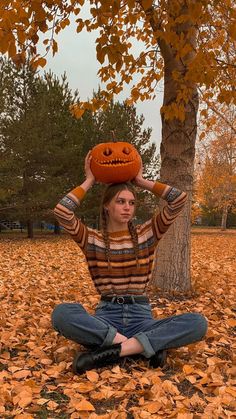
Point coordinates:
[[126, 150], [107, 152]]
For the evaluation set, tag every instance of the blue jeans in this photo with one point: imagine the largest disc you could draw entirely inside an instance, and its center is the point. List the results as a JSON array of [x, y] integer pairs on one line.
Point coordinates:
[[131, 320]]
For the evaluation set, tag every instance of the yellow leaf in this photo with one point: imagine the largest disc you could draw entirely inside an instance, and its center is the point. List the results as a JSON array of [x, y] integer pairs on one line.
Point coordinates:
[[40, 62], [131, 385], [78, 112], [22, 374], [46, 361], [231, 390], [188, 369], [84, 387], [42, 401], [52, 405], [82, 405], [135, 94], [191, 378], [146, 4], [169, 387], [231, 322], [25, 401], [232, 31], [54, 49], [92, 376], [65, 23], [153, 407]]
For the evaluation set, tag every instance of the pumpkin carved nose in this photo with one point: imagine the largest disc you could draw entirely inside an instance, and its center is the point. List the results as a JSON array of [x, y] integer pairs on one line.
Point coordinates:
[[126, 150], [107, 152]]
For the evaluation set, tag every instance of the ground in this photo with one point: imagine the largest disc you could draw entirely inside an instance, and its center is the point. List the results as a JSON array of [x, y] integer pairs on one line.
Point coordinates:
[[198, 381]]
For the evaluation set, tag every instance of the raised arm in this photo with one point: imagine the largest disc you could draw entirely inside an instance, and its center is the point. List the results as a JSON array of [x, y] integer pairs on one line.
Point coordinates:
[[64, 210], [175, 202]]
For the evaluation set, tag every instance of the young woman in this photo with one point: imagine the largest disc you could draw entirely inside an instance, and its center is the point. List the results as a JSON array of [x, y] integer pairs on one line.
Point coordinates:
[[120, 258]]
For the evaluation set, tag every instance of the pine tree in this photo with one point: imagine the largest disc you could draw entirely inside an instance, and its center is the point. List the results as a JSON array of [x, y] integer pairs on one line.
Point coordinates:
[[40, 141]]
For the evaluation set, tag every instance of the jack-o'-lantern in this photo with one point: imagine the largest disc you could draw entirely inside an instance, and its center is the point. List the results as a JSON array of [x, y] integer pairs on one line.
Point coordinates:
[[115, 162]]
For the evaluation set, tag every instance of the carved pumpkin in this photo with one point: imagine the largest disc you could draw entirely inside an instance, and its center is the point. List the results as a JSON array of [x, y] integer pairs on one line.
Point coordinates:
[[115, 162]]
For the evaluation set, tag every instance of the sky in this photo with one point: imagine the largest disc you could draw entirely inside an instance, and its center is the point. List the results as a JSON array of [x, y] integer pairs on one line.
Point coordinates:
[[77, 57]]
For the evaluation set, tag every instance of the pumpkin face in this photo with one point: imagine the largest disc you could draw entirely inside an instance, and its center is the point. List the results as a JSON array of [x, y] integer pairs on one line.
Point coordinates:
[[115, 162]]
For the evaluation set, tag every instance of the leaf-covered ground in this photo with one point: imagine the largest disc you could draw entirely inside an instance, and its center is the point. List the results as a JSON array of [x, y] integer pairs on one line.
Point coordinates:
[[36, 381]]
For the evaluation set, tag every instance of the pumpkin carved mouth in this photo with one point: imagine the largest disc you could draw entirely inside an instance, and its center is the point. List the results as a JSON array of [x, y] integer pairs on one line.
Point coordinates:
[[114, 162]]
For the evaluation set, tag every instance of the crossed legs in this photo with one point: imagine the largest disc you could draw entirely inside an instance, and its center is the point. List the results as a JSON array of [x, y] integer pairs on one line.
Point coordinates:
[[143, 334]]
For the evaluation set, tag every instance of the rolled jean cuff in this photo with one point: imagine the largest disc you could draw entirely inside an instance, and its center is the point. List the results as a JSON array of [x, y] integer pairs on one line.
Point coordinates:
[[108, 341], [148, 349]]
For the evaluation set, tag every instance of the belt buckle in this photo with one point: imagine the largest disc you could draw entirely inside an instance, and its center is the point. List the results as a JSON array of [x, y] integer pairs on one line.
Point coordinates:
[[120, 300]]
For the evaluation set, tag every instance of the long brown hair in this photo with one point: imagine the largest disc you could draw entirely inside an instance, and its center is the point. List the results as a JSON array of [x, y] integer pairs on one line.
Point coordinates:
[[109, 193]]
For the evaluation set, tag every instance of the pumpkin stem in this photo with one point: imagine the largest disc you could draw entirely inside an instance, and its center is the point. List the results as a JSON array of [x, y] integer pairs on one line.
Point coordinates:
[[113, 136]]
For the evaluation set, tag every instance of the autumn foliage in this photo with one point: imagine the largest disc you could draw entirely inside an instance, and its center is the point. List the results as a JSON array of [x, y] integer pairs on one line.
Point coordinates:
[[216, 164], [35, 363], [197, 36]]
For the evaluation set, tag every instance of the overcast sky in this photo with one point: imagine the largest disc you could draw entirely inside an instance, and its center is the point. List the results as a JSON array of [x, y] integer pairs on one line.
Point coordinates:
[[77, 57]]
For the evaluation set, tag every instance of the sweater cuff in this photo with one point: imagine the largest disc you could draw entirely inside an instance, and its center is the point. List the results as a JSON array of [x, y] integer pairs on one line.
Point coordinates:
[[160, 189], [78, 192]]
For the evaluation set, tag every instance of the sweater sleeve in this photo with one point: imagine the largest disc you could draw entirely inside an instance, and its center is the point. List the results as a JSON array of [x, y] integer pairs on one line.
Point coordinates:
[[175, 202], [64, 212]]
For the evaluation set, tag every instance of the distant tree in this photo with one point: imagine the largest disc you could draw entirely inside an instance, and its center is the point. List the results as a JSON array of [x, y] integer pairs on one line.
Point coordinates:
[[216, 182], [40, 142]]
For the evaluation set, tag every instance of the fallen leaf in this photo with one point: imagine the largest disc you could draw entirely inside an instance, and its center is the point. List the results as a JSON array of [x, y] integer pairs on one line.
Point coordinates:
[[92, 376], [82, 405]]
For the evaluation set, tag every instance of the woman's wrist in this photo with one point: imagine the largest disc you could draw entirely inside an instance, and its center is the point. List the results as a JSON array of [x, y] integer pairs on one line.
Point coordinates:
[[87, 184], [145, 184]]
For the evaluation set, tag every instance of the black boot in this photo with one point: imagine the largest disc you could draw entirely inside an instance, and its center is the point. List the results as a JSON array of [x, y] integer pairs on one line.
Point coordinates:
[[158, 360], [99, 358]]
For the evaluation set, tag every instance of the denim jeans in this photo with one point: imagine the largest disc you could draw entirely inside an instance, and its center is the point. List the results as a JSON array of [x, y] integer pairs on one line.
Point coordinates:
[[131, 320]]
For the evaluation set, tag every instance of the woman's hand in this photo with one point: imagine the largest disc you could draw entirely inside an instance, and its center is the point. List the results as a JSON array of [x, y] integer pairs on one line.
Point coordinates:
[[138, 180], [141, 182], [87, 169]]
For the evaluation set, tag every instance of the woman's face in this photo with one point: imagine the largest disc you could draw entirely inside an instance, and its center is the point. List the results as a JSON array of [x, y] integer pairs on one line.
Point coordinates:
[[121, 208]]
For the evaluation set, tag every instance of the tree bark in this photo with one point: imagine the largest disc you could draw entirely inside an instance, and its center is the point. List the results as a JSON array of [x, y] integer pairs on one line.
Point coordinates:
[[57, 229], [30, 229], [224, 218], [171, 270]]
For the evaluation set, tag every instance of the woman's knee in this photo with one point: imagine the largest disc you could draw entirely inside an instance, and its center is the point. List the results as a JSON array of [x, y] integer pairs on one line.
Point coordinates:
[[200, 325], [62, 314]]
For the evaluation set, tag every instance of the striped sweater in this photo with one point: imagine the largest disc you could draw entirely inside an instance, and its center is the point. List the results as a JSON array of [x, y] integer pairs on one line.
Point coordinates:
[[124, 277]]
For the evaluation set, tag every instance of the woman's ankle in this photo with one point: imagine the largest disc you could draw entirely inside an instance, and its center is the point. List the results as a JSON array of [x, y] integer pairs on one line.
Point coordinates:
[[119, 338], [131, 347]]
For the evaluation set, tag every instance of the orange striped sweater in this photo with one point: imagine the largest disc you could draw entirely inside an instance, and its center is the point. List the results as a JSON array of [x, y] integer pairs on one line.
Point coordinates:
[[125, 277]]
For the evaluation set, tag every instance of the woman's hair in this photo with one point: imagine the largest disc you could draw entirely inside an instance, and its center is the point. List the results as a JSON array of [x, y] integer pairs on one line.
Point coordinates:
[[109, 193]]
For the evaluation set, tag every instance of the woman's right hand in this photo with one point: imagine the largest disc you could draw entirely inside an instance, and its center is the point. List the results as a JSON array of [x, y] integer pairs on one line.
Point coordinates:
[[87, 168], [138, 180]]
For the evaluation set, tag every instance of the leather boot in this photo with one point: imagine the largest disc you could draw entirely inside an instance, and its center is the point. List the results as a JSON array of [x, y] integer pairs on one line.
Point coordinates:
[[103, 356], [158, 360]]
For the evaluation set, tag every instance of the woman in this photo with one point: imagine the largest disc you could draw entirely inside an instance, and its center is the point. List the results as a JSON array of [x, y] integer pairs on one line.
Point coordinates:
[[120, 260]]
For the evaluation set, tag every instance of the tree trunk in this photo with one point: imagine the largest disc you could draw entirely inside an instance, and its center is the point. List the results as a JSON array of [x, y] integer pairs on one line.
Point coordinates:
[[224, 218], [57, 229], [30, 229], [171, 270]]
